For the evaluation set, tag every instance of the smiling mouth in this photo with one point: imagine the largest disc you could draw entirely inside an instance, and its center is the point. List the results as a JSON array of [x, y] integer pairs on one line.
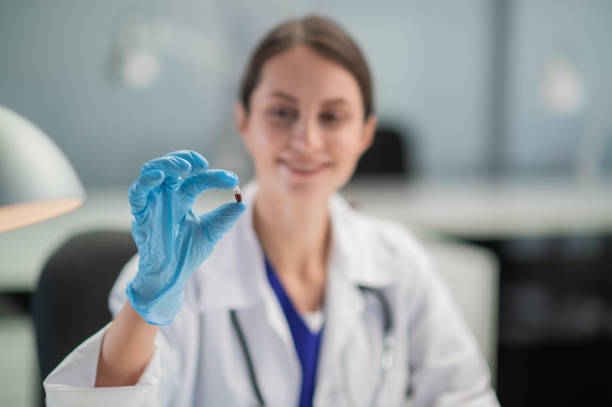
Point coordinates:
[[304, 168]]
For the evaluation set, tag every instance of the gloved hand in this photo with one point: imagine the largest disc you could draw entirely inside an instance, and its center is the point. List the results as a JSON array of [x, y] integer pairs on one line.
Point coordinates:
[[172, 240]]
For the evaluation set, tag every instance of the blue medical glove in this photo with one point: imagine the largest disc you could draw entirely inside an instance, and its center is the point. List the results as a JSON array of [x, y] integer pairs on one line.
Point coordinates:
[[172, 240]]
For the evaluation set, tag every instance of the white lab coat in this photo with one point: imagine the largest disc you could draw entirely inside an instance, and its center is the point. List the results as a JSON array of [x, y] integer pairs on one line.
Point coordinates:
[[198, 360]]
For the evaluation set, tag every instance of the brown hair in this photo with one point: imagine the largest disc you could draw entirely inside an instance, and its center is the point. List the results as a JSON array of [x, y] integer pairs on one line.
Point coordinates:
[[322, 35]]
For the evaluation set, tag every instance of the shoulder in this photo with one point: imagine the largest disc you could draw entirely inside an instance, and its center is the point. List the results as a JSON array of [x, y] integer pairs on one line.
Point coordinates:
[[387, 244]]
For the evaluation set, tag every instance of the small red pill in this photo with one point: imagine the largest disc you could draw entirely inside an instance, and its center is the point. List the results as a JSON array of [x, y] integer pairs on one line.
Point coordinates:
[[237, 194]]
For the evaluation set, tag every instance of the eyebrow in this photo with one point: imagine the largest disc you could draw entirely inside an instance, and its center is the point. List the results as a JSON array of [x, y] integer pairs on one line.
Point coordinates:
[[292, 99], [283, 95], [334, 101]]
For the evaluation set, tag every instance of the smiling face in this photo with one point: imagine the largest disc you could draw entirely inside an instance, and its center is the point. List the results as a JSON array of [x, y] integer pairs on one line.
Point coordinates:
[[305, 127]]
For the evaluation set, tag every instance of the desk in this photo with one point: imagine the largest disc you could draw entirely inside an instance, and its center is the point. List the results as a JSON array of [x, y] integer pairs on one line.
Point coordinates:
[[480, 209]]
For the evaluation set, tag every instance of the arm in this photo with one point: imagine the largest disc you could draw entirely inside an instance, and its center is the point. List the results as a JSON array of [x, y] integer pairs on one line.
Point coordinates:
[[126, 349], [447, 368], [172, 242]]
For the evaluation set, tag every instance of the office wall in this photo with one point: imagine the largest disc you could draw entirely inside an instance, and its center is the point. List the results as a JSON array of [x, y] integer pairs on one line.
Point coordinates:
[[576, 36], [430, 61]]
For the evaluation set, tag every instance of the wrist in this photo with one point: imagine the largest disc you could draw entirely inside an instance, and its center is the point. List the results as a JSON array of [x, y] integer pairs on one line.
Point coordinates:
[[156, 310]]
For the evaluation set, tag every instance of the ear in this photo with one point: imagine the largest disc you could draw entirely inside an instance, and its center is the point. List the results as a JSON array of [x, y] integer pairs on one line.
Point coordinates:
[[369, 129], [240, 117]]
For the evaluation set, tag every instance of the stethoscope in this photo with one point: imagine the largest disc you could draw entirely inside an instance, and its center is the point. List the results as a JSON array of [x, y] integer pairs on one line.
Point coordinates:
[[386, 359]]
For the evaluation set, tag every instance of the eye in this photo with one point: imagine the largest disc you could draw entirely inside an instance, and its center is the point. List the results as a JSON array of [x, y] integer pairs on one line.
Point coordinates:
[[330, 117], [282, 113]]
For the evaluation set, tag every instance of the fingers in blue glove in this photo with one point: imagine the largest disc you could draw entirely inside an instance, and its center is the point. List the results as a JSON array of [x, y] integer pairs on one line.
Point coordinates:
[[218, 221], [211, 179], [197, 162], [139, 190], [174, 167]]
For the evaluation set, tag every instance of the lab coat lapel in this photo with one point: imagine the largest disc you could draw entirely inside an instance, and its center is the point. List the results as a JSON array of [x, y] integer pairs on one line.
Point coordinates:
[[344, 307], [236, 279], [278, 322], [347, 344], [274, 313]]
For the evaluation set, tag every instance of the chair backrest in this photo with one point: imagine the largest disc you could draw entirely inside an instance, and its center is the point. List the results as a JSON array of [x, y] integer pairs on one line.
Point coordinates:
[[390, 153], [71, 300]]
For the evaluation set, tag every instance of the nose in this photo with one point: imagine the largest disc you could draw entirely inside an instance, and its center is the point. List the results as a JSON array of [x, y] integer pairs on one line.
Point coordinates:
[[307, 134]]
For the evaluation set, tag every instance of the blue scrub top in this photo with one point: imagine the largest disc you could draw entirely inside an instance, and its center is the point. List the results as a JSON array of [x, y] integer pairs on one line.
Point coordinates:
[[306, 342]]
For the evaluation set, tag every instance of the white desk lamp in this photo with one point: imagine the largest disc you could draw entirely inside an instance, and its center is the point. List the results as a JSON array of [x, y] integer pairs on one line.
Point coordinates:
[[36, 180]]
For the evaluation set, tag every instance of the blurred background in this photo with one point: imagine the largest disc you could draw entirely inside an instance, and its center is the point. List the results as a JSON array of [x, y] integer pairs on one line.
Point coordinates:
[[496, 125]]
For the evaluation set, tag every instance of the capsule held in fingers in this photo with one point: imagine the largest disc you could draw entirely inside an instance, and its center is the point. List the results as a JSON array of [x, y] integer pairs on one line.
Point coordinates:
[[237, 194]]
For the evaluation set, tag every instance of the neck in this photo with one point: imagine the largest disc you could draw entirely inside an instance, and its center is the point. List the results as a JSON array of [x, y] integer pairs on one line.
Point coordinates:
[[294, 235]]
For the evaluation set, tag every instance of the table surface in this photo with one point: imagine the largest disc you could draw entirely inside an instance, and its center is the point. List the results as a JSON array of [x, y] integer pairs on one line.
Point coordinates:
[[475, 209], [486, 208]]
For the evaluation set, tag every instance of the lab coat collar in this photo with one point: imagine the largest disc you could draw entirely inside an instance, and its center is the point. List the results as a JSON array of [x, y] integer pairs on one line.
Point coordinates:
[[354, 245], [234, 276], [353, 263]]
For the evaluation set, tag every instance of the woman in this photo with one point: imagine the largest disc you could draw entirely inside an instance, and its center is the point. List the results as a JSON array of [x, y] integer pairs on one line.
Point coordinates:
[[303, 301]]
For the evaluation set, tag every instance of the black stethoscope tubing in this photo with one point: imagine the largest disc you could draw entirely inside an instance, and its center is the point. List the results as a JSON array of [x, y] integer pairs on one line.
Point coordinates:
[[386, 359]]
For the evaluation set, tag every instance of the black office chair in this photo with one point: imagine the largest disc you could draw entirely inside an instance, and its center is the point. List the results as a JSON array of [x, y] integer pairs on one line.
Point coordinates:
[[71, 300], [390, 153]]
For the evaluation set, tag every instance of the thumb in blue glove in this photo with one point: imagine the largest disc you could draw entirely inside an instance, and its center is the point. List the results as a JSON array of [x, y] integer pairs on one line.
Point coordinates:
[[172, 239]]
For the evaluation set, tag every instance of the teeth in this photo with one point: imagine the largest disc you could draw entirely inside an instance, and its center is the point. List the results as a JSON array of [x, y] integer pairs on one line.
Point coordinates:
[[305, 167]]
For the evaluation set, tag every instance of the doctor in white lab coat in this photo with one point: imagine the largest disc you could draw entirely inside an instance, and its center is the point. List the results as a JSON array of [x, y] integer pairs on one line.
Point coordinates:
[[389, 328]]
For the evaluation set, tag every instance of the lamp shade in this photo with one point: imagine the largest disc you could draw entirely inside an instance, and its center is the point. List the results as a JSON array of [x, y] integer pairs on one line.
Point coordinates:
[[36, 180]]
